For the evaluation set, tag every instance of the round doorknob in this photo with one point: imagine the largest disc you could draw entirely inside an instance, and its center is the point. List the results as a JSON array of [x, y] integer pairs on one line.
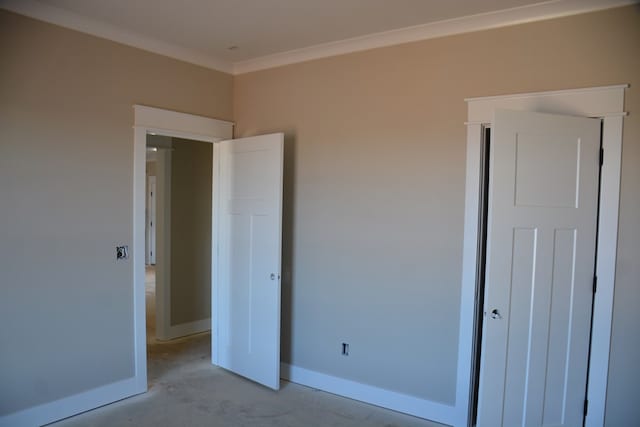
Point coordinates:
[[495, 314]]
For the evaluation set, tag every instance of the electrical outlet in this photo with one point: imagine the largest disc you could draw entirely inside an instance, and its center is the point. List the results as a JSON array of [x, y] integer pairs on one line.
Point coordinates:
[[345, 349], [122, 252]]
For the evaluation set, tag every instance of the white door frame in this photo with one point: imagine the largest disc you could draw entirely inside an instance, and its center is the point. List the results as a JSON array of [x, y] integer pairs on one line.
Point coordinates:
[[174, 124], [163, 244], [606, 103]]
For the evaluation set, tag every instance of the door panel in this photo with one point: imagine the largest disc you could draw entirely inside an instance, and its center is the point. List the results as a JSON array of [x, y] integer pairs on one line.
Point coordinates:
[[248, 258], [562, 287], [543, 199]]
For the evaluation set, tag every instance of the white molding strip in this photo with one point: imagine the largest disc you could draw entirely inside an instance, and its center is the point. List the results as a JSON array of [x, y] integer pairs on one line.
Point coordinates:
[[190, 328], [469, 273], [604, 102], [74, 21], [182, 125], [68, 406], [407, 404], [562, 92], [485, 21]]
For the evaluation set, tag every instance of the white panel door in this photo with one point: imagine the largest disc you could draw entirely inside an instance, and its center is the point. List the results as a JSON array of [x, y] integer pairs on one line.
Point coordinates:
[[249, 230], [543, 201]]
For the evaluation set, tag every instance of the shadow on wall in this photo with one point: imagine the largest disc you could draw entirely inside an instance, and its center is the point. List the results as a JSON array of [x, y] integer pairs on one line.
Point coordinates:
[[288, 203]]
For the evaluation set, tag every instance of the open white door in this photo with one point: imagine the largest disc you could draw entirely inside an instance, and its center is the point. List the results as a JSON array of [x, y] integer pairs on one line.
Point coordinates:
[[247, 256], [543, 206]]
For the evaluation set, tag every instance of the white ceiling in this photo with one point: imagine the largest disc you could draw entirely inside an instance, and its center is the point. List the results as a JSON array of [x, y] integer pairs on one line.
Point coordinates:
[[273, 32]]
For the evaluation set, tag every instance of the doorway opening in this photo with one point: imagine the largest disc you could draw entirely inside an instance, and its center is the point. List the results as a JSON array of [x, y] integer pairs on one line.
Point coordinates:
[[244, 243], [164, 126], [178, 238], [183, 176]]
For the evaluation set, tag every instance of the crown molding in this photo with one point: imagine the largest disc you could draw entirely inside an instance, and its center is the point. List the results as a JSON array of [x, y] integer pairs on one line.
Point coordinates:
[[64, 18], [485, 21]]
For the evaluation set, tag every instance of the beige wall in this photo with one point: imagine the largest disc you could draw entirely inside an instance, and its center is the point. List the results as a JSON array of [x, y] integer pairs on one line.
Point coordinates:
[[151, 168], [374, 192], [374, 187], [191, 173], [66, 173]]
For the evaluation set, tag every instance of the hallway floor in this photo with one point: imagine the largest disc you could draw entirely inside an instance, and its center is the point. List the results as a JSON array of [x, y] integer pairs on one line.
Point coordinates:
[[186, 390]]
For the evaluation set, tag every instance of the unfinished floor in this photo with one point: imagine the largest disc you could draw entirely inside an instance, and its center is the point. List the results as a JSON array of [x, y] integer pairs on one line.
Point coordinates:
[[186, 390]]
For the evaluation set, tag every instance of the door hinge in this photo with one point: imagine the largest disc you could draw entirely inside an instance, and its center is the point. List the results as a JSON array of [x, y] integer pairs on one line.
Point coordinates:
[[601, 156], [595, 284], [586, 407]]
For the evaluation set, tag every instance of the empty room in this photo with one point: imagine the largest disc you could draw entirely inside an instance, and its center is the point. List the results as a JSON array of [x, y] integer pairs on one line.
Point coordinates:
[[408, 213]]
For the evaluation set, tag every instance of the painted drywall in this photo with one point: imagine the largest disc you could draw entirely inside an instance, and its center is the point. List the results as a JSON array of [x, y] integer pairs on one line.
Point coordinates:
[[191, 172], [374, 193], [374, 188], [151, 168], [66, 173]]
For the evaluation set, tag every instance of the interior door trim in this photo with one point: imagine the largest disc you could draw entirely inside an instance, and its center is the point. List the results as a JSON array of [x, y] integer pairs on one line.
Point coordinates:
[[149, 120]]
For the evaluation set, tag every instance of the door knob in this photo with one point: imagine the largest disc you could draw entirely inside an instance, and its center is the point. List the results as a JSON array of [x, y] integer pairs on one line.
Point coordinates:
[[273, 276], [495, 314]]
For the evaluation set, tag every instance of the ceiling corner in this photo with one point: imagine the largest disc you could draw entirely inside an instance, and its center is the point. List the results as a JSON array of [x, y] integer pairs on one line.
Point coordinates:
[[73, 21]]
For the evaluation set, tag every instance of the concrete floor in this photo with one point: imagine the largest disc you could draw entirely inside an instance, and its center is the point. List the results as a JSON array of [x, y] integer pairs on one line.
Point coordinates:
[[186, 390]]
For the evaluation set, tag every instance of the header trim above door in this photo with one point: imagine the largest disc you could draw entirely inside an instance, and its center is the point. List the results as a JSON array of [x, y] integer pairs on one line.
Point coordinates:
[[173, 123]]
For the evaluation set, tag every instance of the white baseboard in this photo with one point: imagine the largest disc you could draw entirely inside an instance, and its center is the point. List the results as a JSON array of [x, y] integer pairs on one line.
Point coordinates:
[[72, 405], [184, 329], [411, 405]]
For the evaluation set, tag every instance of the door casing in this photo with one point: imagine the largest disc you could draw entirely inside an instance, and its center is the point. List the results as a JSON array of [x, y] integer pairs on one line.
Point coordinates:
[[606, 103], [174, 124]]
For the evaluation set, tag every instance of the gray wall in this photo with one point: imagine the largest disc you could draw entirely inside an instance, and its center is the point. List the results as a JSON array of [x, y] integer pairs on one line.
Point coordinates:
[[374, 193], [66, 172], [191, 172]]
